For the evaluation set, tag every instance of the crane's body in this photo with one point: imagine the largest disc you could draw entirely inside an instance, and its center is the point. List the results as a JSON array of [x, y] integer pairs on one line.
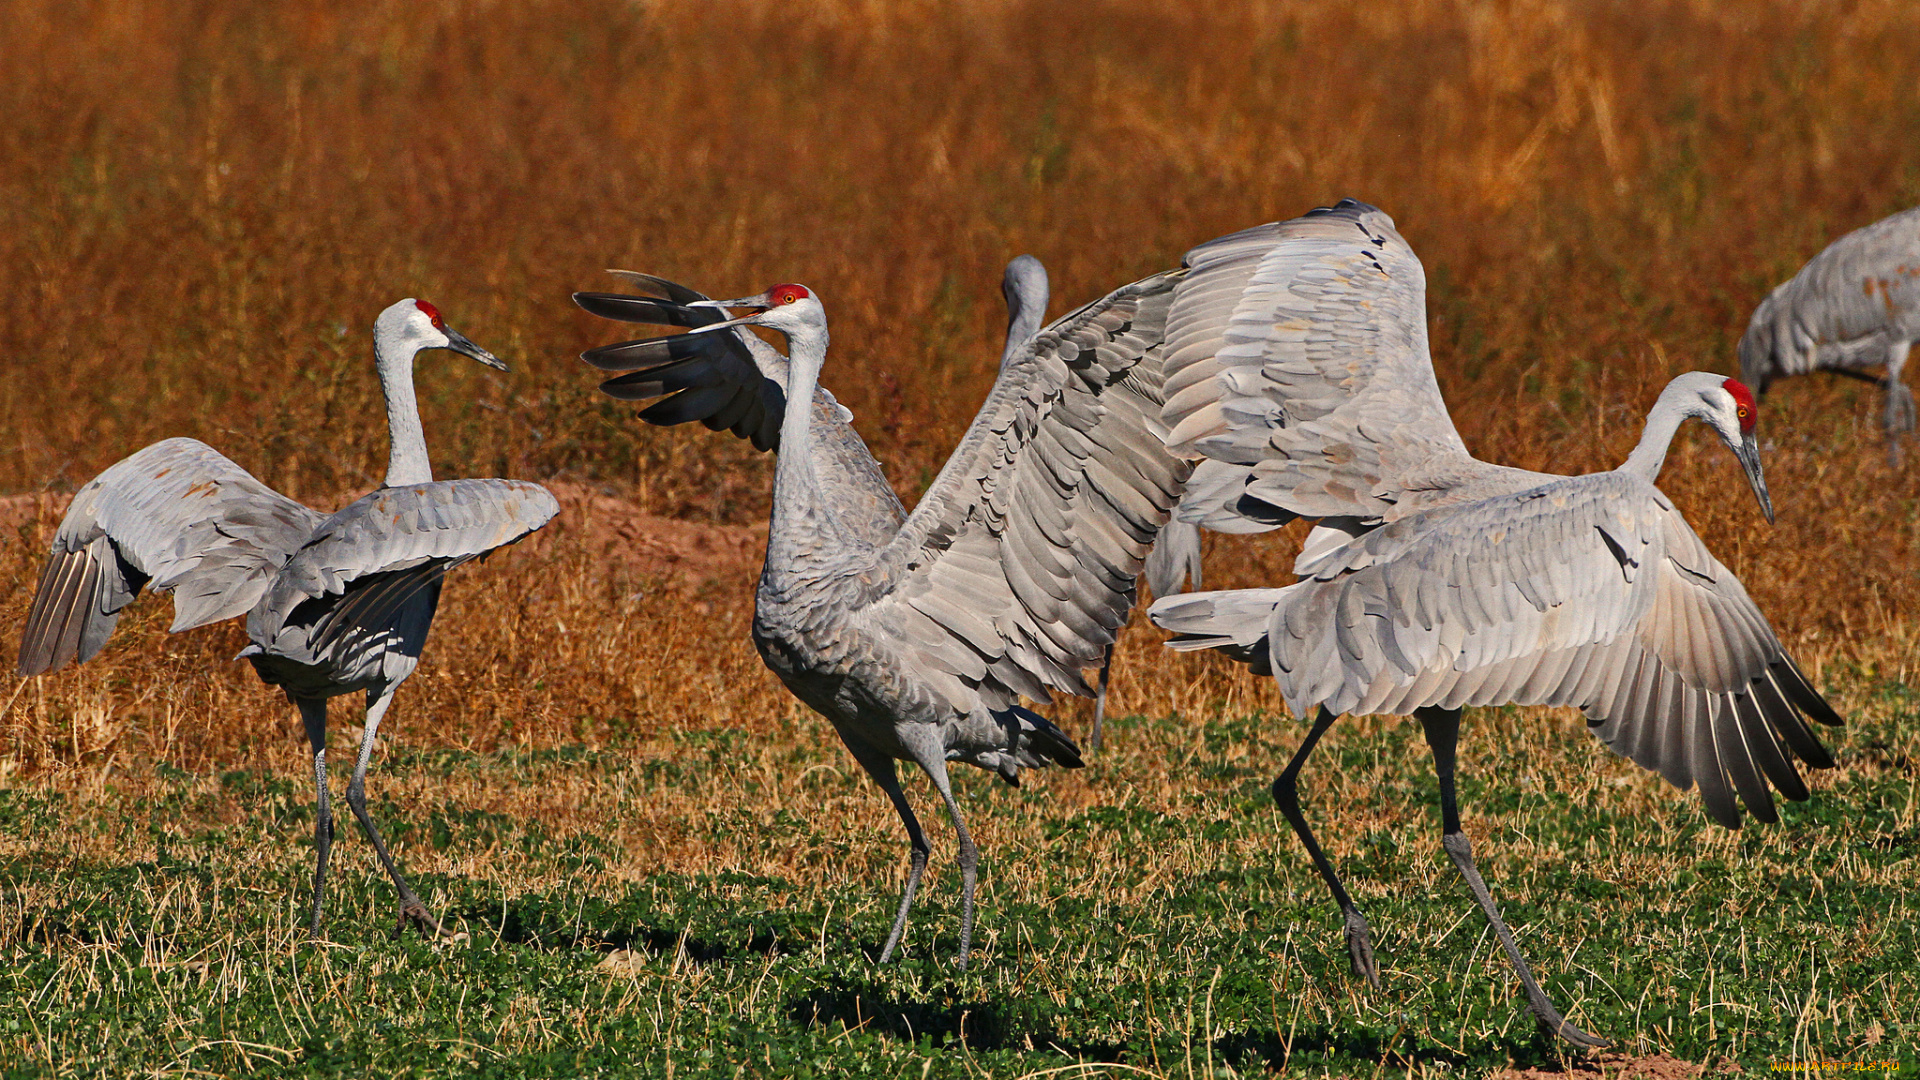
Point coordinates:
[[1434, 581], [916, 638], [335, 603], [1853, 308]]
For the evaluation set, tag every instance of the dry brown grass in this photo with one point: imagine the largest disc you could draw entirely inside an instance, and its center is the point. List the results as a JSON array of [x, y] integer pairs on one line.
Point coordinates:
[[202, 205]]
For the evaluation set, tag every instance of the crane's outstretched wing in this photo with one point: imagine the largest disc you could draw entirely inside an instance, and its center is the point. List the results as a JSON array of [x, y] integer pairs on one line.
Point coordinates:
[[733, 381], [177, 516], [1591, 592], [721, 380], [1843, 308], [1019, 562], [342, 588], [1299, 349]]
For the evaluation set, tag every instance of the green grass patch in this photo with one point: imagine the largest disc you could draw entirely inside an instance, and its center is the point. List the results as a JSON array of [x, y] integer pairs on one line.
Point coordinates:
[[1177, 935]]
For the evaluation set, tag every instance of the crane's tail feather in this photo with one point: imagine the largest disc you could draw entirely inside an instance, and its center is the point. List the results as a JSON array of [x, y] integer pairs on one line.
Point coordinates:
[[1234, 623]]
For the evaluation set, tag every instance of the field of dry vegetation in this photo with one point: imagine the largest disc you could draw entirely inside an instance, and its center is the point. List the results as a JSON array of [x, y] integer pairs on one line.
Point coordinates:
[[203, 205]]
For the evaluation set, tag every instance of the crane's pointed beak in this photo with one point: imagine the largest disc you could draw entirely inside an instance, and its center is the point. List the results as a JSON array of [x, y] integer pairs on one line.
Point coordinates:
[[459, 343], [1748, 451], [757, 303]]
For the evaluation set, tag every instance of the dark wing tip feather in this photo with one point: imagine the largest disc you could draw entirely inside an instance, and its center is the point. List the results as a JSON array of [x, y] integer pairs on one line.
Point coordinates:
[[1800, 691], [58, 617], [1745, 742], [653, 352], [640, 309], [1709, 771], [672, 290]]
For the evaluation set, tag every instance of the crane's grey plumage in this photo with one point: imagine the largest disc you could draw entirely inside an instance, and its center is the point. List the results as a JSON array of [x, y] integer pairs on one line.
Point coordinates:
[[1298, 359], [1174, 559], [1854, 306], [335, 603], [1010, 576]]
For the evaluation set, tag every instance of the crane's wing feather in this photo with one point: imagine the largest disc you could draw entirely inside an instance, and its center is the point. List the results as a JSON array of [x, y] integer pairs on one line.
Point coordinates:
[[1019, 562], [1298, 350], [178, 516], [1591, 592], [720, 379], [732, 381], [736, 381], [366, 561]]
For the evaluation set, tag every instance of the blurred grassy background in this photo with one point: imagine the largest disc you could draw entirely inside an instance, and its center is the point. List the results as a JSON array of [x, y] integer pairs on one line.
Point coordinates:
[[203, 205]]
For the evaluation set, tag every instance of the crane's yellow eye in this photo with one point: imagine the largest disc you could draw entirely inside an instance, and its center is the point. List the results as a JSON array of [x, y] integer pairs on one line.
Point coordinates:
[[788, 299], [1743, 412]]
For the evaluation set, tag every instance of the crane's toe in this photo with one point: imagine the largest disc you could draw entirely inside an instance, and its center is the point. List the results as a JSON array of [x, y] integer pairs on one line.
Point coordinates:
[[415, 915], [1558, 1026], [1360, 949]]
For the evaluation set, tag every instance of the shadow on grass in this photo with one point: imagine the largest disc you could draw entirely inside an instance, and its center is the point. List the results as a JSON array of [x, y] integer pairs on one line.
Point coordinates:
[[1342, 1046], [539, 926], [995, 1025], [979, 1025]]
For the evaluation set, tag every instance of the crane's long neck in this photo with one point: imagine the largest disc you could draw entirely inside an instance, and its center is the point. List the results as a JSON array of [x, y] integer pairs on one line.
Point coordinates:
[[407, 456], [801, 529], [1651, 452]]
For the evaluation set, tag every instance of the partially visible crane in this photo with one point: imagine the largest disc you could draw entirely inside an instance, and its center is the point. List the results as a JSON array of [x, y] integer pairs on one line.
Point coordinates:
[[1435, 581], [335, 603], [1010, 576], [1854, 306]]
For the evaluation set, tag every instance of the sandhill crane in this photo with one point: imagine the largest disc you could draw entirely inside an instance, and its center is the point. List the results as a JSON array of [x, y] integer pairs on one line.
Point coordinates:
[[736, 381], [334, 603], [1856, 305], [1436, 581], [1009, 577]]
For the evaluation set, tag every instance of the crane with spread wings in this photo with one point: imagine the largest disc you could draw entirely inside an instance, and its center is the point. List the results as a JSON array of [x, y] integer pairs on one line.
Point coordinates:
[[335, 603]]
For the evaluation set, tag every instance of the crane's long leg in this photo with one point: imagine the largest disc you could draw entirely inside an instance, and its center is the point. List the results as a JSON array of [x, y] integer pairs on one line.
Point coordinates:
[[313, 714], [411, 909], [1286, 793], [1100, 701], [880, 767], [1899, 417], [925, 746], [1442, 727]]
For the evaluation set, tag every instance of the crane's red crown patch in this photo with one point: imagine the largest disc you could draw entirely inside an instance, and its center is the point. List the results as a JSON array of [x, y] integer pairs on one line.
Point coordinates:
[[786, 294], [432, 313], [1748, 409]]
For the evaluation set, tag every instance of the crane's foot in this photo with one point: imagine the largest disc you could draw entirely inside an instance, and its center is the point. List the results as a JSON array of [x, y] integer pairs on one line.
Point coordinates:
[[414, 915], [1360, 948], [1557, 1025]]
